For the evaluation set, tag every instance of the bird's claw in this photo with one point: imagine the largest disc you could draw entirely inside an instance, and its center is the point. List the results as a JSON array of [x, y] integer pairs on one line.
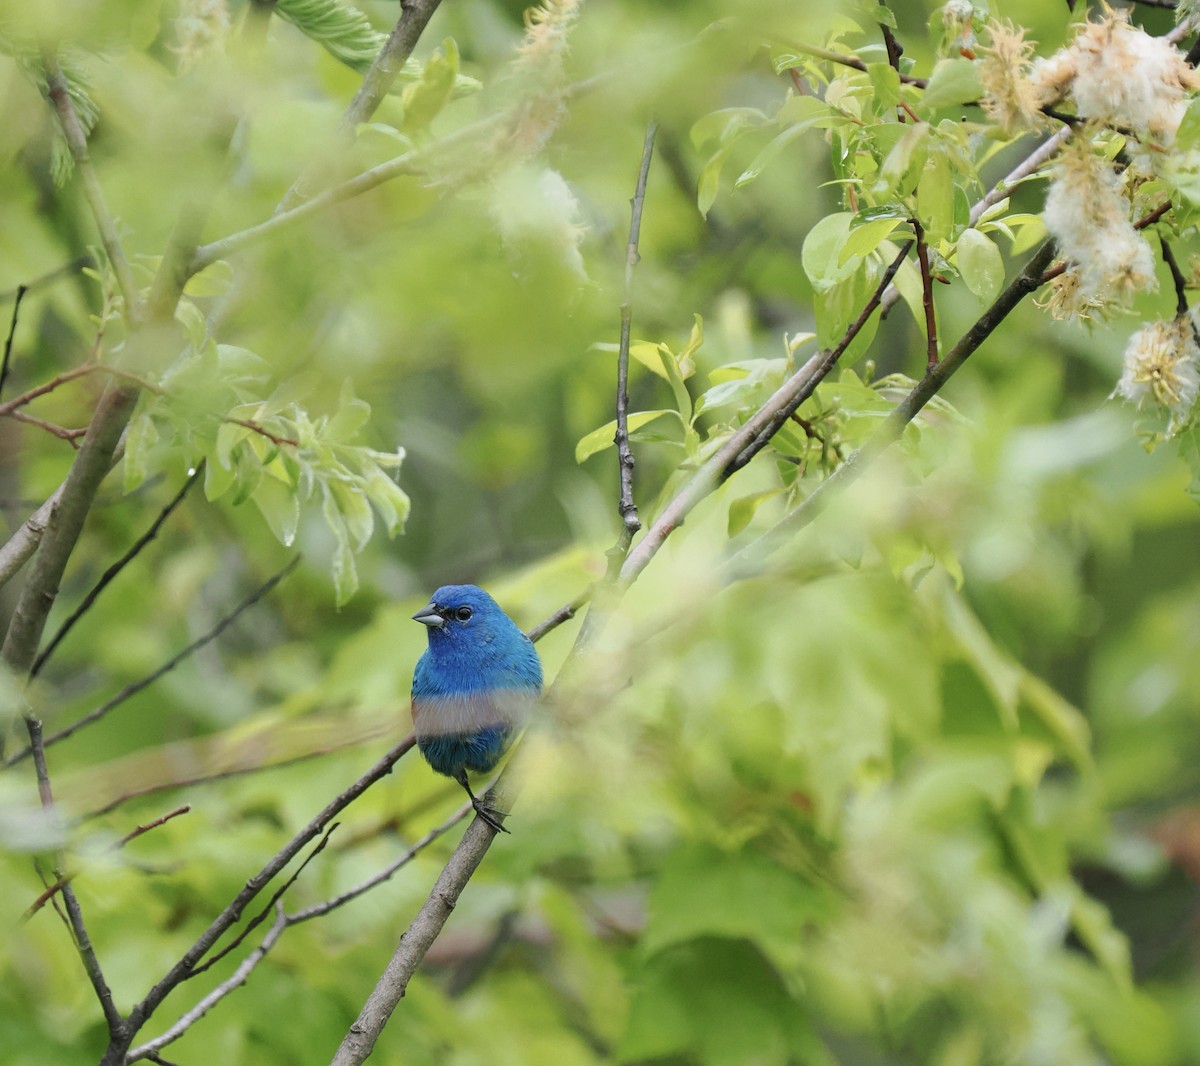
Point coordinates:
[[488, 815]]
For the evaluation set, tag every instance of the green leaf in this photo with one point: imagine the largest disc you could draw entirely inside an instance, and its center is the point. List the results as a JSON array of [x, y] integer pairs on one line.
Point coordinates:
[[980, 264], [904, 161], [345, 573], [647, 353], [140, 438], [865, 238], [280, 506], [935, 197], [743, 509], [600, 439], [339, 27], [683, 399], [721, 126], [426, 97], [216, 279], [709, 183], [953, 81], [390, 500], [352, 415], [356, 510], [821, 254], [218, 480]]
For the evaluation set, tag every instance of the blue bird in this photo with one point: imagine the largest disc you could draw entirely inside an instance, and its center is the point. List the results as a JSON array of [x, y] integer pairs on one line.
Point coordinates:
[[472, 687]]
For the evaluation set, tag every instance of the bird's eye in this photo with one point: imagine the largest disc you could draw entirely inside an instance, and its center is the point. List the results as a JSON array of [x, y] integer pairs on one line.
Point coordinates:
[[463, 614]]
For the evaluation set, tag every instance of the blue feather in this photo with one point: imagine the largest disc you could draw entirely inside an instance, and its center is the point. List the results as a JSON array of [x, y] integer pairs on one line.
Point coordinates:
[[473, 686]]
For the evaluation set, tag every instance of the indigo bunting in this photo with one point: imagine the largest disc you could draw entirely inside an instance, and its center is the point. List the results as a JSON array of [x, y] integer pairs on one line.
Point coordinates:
[[472, 686]]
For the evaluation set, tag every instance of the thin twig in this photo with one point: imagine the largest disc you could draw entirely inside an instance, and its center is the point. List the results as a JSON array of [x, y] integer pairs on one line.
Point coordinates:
[[1181, 302], [136, 686], [149, 1050], [83, 943], [849, 61], [281, 923], [136, 832], [71, 436], [107, 577], [62, 882], [232, 913], [931, 341], [564, 614], [9, 406], [319, 909], [273, 438], [49, 277], [275, 899], [626, 507], [12, 332]]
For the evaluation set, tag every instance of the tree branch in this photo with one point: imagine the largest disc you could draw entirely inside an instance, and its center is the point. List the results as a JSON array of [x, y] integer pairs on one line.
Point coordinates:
[[136, 686], [12, 332], [753, 436], [110, 574], [931, 341], [83, 943], [232, 913], [64, 526], [414, 17], [749, 558], [626, 507]]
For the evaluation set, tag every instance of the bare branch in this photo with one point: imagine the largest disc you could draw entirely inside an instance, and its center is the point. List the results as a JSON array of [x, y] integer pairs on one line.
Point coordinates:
[[83, 943], [65, 525], [232, 913], [107, 577], [71, 436], [749, 559], [12, 332], [564, 614], [931, 340], [62, 882], [9, 406], [261, 431], [414, 17], [392, 984], [753, 436], [239, 977], [49, 277], [136, 686], [630, 523], [278, 927]]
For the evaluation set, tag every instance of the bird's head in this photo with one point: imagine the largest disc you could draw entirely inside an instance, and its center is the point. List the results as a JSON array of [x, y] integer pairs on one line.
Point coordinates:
[[459, 609]]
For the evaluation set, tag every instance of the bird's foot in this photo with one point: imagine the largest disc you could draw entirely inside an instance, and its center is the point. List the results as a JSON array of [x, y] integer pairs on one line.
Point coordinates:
[[488, 814]]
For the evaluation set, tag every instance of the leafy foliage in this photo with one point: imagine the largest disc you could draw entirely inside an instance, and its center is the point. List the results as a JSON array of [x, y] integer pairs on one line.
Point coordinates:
[[920, 789]]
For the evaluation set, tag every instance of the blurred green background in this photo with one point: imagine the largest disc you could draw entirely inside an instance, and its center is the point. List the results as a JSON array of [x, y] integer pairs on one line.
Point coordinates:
[[925, 793]]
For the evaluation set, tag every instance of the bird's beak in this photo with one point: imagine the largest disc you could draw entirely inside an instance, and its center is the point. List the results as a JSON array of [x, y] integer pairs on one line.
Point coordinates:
[[428, 616]]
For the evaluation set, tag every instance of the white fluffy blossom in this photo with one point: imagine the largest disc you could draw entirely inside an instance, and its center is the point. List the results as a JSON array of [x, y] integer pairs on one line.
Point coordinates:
[[1087, 213], [1121, 76], [1162, 368]]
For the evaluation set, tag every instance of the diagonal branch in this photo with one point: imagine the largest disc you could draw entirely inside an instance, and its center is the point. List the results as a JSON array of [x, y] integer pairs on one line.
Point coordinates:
[[232, 913], [749, 558], [279, 926], [12, 332], [414, 17], [136, 686], [110, 574]]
